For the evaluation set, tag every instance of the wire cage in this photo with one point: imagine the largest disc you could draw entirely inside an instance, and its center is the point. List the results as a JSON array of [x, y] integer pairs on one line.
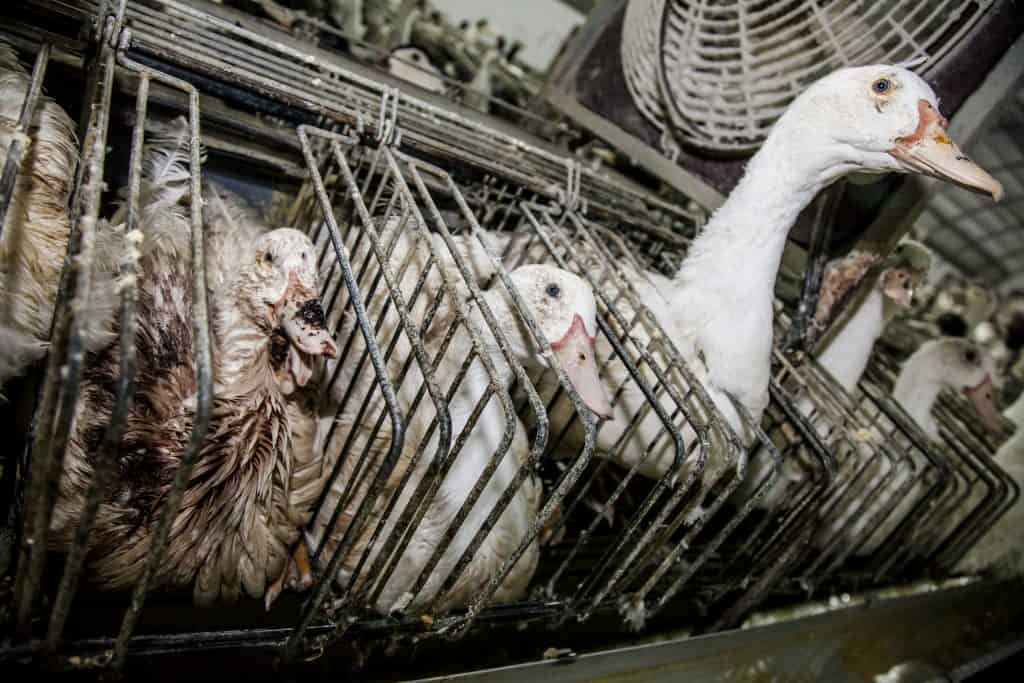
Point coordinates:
[[420, 219], [734, 544], [979, 490], [52, 423], [388, 323], [886, 474]]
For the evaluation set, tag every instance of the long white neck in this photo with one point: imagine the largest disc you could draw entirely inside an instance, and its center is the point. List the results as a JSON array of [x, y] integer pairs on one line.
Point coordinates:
[[724, 290], [750, 228], [477, 380], [847, 354], [917, 388]]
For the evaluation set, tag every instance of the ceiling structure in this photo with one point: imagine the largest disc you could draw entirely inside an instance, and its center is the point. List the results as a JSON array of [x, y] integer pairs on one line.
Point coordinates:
[[982, 239]]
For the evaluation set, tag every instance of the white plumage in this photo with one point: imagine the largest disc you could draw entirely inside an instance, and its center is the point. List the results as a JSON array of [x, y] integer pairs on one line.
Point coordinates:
[[718, 307], [1001, 549], [556, 299]]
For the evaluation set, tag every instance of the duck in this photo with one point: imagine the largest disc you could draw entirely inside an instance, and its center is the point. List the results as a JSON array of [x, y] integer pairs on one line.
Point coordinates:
[[267, 327], [565, 310], [846, 354], [718, 308], [1000, 551], [413, 65], [946, 363], [938, 365]]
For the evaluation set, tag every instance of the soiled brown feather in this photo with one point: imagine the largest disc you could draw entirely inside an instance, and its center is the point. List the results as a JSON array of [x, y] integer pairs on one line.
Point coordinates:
[[232, 532], [35, 231], [838, 283]]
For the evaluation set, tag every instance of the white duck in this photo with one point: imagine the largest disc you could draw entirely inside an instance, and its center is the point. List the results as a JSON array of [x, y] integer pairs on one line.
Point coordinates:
[[1001, 550], [413, 65], [565, 311], [846, 354], [939, 364], [719, 306]]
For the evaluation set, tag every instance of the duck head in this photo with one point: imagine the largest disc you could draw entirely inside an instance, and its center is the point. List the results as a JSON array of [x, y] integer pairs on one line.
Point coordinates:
[[964, 366], [880, 119], [281, 288], [904, 271], [564, 308]]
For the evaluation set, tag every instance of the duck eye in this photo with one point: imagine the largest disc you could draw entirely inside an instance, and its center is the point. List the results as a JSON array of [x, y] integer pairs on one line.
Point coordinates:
[[553, 290], [268, 257], [971, 356], [881, 86]]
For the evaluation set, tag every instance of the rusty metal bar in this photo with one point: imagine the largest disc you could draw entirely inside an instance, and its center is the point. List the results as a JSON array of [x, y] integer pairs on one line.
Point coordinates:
[[105, 459], [204, 366], [17, 148], [63, 373]]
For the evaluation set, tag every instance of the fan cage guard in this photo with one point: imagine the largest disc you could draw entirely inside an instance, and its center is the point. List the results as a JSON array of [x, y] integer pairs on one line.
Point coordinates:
[[716, 75]]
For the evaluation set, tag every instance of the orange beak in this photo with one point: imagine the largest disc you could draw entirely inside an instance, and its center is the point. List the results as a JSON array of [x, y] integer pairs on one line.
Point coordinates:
[[929, 150]]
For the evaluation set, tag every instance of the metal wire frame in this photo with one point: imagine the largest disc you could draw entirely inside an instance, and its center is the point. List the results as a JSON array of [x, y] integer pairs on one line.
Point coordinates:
[[249, 64], [52, 421], [16, 148], [386, 207], [712, 74], [850, 512], [980, 491], [881, 466], [678, 548]]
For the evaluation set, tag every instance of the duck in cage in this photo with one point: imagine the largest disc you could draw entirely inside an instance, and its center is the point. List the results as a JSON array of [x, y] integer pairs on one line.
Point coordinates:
[[410, 388]]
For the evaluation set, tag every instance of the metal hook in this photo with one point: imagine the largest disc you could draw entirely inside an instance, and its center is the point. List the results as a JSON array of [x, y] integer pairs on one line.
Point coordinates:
[[387, 121]]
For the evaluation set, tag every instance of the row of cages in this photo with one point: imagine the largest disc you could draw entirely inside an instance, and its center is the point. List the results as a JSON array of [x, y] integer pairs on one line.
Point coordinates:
[[442, 470]]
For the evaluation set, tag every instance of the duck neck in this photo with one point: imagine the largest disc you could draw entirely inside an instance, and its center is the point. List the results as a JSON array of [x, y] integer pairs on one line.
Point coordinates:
[[917, 388], [243, 351], [749, 230], [846, 355], [478, 378]]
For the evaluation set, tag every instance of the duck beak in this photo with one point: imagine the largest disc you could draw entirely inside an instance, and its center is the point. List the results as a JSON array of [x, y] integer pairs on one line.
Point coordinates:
[[305, 326], [900, 295], [981, 397], [930, 151], [577, 355]]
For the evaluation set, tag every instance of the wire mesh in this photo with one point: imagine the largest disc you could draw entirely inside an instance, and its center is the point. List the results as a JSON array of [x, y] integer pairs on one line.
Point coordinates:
[[431, 394], [67, 356], [713, 535], [980, 491]]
